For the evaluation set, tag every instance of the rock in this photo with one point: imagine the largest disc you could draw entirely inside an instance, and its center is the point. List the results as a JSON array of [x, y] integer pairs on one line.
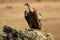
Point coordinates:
[[25, 35]]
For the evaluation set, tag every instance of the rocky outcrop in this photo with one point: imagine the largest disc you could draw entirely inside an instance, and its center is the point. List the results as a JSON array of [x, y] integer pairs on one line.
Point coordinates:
[[8, 33]]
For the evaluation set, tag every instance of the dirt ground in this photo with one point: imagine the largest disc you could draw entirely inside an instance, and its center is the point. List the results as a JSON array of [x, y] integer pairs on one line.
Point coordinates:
[[12, 14]]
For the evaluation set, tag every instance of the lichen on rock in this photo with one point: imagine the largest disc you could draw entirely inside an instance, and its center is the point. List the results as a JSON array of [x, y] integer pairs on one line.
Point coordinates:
[[24, 34]]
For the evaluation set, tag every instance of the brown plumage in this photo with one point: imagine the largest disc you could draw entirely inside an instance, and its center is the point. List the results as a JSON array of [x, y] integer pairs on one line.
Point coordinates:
[[31, 18]]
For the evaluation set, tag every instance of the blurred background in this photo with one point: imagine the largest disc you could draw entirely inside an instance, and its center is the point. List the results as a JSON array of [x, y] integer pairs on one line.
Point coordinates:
[[12, 14]]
